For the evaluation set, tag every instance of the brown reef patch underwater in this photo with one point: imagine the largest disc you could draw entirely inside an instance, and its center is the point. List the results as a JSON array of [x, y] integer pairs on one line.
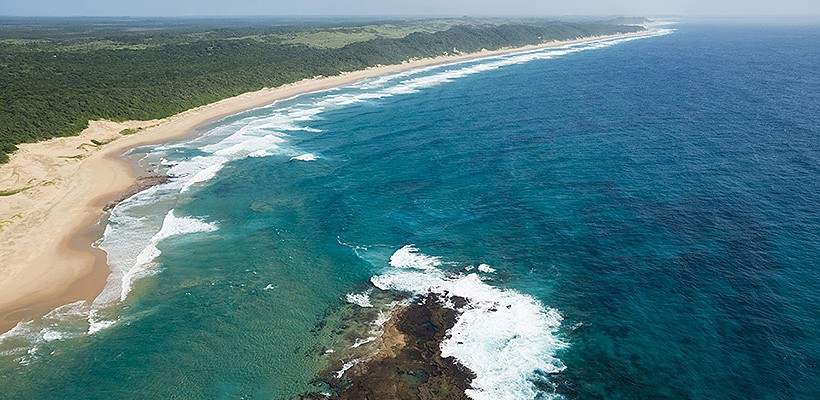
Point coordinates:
[[407, 363]]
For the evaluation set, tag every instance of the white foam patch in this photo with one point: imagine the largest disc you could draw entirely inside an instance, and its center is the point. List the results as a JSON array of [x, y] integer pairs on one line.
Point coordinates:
[[20, 329], [131, 240], [96, 324], [251, 137], [171, 226], [359, 299], [206, 174], [133, 231], [506, 338], [410, 257], [360, 342], [486, 268], [127, 234], [261, 136], [305, 157], [346, 366], [382, 87], [27, 338], [240, 146]]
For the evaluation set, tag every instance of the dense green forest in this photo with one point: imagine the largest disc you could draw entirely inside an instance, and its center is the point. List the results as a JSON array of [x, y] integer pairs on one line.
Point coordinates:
[[56, 75]]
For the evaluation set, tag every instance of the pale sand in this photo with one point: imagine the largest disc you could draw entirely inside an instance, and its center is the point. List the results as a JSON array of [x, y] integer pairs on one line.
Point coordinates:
[[47, 231]]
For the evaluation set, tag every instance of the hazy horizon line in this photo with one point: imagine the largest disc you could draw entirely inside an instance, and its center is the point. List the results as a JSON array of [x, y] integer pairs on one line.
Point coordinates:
[[421, 16]]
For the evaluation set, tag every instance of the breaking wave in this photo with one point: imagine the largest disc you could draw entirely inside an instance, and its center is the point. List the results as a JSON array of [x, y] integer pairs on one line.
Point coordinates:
[[508, 339]]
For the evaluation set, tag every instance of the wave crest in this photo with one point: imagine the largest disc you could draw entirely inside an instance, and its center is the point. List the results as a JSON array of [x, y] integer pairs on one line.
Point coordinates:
[[508, 339]]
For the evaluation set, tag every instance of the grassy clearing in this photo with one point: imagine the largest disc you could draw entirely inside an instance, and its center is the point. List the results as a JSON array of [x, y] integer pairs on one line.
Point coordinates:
[[335, 38]]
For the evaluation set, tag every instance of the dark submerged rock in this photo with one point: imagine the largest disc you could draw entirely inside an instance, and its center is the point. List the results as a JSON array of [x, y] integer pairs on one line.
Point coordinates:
[[142, 184], [408, 364]]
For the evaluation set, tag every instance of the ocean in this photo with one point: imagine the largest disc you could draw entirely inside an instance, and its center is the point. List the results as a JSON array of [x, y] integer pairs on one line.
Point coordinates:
[[627, 219]]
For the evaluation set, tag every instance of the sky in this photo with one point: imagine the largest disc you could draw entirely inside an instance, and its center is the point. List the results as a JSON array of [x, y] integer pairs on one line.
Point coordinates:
[[406, 7]]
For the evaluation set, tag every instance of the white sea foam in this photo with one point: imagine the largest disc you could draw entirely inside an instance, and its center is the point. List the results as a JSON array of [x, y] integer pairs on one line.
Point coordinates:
[[386, 86], [486, 268], [412, 81], [507, 338], [133, 231], [25, 340], [359, 299], [305, 157], [261, 136], [204, 175], [130, 255], [171, 226], [96, 324], [21, 329], [346, 366], [361, 342], [127, 234], [240, 146], [410, 257], [250, 137]]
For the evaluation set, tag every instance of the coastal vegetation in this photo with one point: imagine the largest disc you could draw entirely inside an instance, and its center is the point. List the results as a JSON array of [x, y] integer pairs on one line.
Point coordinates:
[[10, 192], [56, 75]]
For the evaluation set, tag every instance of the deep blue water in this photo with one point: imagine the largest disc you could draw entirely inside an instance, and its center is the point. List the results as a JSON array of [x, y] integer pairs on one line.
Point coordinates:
[[661, 194]]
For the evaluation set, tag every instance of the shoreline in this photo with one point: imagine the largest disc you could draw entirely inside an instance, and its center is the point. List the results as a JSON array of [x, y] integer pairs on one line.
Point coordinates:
[[47, 231]]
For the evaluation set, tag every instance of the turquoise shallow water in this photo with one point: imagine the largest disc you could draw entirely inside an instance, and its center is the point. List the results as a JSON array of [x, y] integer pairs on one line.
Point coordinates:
[[660, 194]]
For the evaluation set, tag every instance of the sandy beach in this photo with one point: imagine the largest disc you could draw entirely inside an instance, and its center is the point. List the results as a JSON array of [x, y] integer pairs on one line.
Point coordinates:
[[47, 230]]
